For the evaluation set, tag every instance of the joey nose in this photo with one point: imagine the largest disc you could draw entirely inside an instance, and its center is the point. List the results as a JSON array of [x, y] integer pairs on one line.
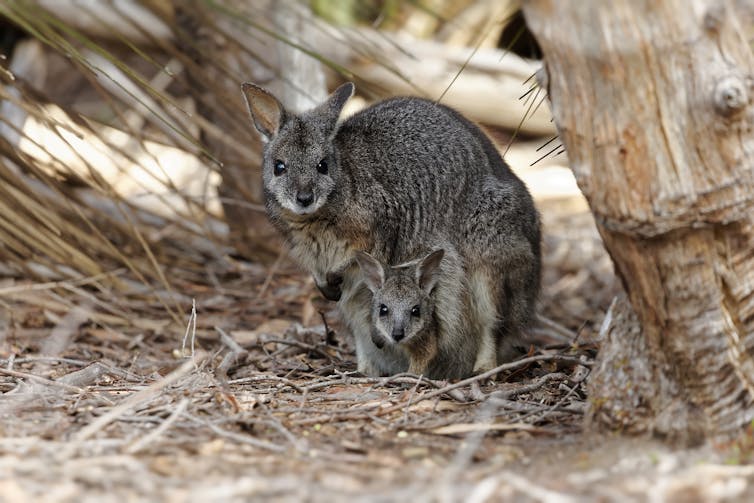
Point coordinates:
[[305, 198], [398, 334]]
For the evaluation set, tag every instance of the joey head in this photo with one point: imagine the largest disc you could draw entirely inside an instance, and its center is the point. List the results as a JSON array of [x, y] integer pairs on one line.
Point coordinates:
[[403, 305]]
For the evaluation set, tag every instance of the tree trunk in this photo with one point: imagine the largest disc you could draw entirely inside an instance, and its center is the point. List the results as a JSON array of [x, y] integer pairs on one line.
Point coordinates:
[[653, 103], [216, 66], [227, 46]]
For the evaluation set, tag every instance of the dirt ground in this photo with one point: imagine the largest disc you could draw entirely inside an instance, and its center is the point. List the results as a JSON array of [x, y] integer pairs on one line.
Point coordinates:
[[270, 406]]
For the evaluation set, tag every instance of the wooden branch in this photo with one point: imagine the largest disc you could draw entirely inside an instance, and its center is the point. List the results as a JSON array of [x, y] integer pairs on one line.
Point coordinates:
[[302, 77], [486, 84], [487, 87], [129, 19]]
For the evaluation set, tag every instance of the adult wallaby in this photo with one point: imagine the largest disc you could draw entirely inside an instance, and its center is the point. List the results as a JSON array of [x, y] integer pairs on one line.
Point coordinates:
[[387, 180], [438, 344]]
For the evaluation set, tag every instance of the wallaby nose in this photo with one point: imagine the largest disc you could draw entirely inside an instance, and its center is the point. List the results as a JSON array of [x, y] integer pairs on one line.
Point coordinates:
[[398, 334], [305, 198]]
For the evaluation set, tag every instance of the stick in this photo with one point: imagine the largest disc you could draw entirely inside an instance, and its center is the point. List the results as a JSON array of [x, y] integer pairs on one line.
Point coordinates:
[[154, 434], [85, 376], [192, 318], [568, 335], [10, 290], [241, 438], [229, 359], [500, 368], [133, 401], [43, 380]]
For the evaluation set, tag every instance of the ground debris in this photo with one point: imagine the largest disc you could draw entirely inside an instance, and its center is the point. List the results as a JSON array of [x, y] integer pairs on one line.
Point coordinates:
[[108, 402]]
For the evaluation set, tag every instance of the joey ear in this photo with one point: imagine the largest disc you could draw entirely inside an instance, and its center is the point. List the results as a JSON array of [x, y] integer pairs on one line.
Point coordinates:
[[428, 270], [266, 111], [374, 274]]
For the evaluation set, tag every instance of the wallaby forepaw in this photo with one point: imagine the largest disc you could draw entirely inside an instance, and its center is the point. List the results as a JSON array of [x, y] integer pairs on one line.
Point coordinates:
[[367, 369]]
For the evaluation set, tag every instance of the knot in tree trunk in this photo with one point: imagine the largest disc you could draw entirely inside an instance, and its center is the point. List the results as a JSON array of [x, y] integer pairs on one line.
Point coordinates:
[[731, 96]]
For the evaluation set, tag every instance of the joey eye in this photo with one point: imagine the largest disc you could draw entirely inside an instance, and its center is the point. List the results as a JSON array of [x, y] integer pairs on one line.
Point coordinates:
[[279, 168], [322, 167], [415, 311], [383, 310]]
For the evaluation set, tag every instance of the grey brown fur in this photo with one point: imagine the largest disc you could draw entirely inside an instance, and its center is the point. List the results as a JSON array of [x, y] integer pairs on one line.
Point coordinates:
[[399, 174], [438, 344]]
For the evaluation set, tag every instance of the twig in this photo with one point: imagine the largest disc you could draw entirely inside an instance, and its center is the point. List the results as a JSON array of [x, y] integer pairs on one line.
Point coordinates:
[[556, 405], [275, 423], [85, 376], [43, 380], [528, 388], [512, 405], [235, 353], [328, 332], [283, 381], [49, 359], [154, 434], [245, 439], [295, 343], [408, 402], [363, 412], [133, 401], [271, 273], [58, 284], [466, 449], [567, 335], [500, 368], [229, 341], [192, 318]]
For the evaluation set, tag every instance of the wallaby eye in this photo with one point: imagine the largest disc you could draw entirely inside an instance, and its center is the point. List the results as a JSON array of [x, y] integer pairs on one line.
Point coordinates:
[[415, 311], [383, 310], [279, 168], [322, 167]]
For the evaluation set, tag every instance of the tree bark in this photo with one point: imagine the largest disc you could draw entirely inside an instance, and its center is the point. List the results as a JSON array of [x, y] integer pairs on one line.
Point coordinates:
[[227, 46], [653, 102], [216, 64]]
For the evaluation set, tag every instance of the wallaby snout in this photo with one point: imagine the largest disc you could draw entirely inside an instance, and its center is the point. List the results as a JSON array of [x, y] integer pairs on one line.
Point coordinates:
[[399, 334], [305, 198]]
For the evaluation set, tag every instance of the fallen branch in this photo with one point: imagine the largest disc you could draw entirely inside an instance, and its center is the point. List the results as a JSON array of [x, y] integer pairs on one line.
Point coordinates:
[[42, 380], [501, 368]]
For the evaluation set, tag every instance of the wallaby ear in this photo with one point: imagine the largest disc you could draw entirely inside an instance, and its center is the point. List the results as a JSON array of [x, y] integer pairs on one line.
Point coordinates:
[[371, 269], [334, 103], [428, 271], [338, 98], [266, 111]]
